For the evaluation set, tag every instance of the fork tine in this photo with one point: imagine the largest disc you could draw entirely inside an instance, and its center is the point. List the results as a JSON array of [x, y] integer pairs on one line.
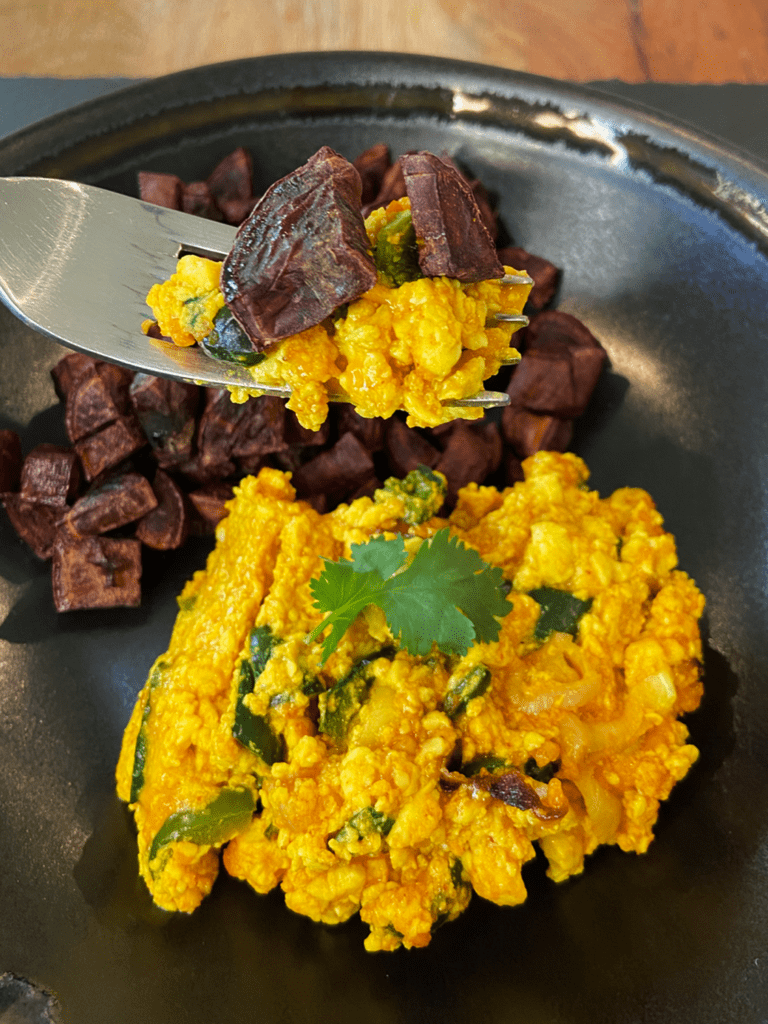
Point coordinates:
[[510, 318], [77, 262], [484, 399]]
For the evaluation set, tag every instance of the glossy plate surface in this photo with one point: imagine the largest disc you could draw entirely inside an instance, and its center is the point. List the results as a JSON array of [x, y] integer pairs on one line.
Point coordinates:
[[663, 235]]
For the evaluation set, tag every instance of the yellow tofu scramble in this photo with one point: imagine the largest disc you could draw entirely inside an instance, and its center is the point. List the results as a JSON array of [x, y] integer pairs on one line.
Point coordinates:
[[393, 785], [415, 347]]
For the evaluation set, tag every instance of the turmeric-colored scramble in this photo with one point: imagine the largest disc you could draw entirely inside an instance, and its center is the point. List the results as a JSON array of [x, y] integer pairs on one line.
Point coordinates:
[[417, 347], [394, 785]]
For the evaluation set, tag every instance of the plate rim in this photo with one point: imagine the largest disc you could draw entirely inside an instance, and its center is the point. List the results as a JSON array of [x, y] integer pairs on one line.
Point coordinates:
[[54, 134]]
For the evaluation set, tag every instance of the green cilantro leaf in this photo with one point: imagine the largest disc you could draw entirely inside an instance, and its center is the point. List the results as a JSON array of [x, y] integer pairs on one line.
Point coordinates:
[[379, 555], [447, 595]]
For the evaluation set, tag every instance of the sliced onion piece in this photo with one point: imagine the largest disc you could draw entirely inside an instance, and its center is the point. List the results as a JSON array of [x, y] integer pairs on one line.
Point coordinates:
[[561, 695], [604, 808]]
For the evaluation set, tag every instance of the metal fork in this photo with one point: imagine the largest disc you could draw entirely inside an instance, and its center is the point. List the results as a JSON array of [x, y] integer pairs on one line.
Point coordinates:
[[77, 262]]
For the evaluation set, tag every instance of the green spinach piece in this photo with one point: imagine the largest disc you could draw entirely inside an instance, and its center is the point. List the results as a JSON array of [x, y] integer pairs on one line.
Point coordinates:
[[487, 762], [251, 730], [310, 687], [340, 704], [140, 752], [561, 612], [544, 774], [364, 823], [229, 342], [473, 684], [396, 253], [422, 492], [444, 902], [221, 820]]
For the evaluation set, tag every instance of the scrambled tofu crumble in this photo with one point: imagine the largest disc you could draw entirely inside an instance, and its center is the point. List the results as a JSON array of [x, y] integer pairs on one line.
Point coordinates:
[[417, 346], [393, 785]]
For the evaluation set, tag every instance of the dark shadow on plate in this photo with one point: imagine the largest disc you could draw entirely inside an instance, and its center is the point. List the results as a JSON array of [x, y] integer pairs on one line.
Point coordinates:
[[607, 398], [34, 617], [107, 874], [711, 725], [46, 427]]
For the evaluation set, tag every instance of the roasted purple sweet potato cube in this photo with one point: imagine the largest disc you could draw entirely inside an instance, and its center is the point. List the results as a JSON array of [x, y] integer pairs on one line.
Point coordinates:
[[512, 468], [298, 437], [120, 499], [166, 410], [546, 276], [89, 406], [37, 525], [454, 240], [372, 164], [370, 431], [336, 472], [302, 252], [217, 431], [484, 205], [109, 446], [201, 470], [530, 432], [118, 380], [560, 366], [68, 371], [236, 211], [231, 185], [96, 572], [392, 187], [261, 428], [209, 502], [480, 192], [10, 460], [196, 199], [161, 189], [50, 475], [319, 502], [470, 455], [166, 526], [290, 460], [251, 465], [366, 488], [407, 448]]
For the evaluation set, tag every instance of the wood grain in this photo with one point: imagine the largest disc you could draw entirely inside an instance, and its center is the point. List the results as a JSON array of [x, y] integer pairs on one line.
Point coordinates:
[[580, 40]]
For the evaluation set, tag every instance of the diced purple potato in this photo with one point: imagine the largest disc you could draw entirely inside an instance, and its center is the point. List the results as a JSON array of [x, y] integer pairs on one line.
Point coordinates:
[[110, 446], [336, 472], [161, 189], [454, 241], [406, 448], [530, 432], [50, 475], [302, 252], [36, 525], [120, 499], [96, 572], [166, 526]]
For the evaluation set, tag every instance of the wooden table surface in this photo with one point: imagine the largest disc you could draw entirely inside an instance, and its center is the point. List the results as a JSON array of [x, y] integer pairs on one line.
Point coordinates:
[[580, 40]]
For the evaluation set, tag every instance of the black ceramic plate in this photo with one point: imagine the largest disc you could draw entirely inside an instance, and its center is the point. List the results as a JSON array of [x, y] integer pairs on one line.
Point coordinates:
[[663, 237]]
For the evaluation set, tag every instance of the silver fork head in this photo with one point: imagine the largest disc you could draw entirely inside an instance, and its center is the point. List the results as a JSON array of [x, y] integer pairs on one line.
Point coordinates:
[[76, 262]]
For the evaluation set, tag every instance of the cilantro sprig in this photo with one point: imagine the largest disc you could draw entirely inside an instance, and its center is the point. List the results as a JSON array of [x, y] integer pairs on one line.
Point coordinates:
[[447, 595]]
